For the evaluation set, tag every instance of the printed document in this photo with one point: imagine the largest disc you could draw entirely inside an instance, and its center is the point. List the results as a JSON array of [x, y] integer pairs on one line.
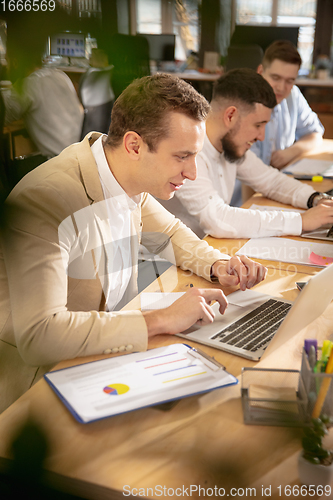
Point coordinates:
[[285, 250], [120, 384]]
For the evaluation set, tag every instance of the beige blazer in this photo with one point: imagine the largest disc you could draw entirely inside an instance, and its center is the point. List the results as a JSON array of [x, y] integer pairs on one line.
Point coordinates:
[[50, 312]]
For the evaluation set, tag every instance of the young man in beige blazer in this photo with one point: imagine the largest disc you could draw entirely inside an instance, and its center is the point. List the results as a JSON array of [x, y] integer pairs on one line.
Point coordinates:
[[70, 244]]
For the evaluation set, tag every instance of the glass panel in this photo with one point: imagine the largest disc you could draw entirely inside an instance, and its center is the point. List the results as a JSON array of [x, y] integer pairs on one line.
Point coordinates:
[[149, 16], [300, 13], [3, 42], [186, 27], [298, 8], [254, 12]]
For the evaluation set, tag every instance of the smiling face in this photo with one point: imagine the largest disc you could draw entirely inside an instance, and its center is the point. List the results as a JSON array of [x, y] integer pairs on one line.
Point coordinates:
[[248, 129], [281, 76], [165, 170]]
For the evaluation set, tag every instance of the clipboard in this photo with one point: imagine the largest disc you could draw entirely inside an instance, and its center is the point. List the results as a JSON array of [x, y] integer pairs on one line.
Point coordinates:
[[112, 386]]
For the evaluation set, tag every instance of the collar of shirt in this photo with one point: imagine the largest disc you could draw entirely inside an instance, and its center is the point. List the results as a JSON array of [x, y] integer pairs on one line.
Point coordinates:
[[110, 185], [211, 150]]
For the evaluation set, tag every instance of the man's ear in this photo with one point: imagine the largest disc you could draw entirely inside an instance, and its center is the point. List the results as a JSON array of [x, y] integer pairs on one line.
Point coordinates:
[[230, 116], [260, 69], [132, 144]]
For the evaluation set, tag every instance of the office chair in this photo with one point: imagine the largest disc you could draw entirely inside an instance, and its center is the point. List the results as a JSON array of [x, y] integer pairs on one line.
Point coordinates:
[[244, 56], [129, 55], [24, 155], [97, 98]]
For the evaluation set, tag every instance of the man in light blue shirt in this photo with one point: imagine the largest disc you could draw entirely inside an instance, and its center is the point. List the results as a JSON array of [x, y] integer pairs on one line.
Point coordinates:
[[294, 128]]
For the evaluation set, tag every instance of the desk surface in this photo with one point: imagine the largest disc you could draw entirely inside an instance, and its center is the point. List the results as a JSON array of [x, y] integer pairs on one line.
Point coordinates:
[[231, 246], [192, 75], [198, 76], [211, 77], [314, 82], [202, 441]]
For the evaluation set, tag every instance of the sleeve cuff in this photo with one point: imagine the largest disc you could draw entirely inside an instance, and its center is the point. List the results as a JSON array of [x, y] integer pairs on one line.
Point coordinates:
[[293, 223]]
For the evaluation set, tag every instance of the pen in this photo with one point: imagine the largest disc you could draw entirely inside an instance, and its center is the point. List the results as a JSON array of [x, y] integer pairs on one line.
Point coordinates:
[[308, 343], [325, 385], [198, 353], [326, 352], [330, 233], [312, 356], [313, 178]]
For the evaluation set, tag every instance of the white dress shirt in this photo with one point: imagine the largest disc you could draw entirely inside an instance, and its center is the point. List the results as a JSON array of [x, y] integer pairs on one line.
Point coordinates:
[[50, 108], [119, 207], [203, 204]]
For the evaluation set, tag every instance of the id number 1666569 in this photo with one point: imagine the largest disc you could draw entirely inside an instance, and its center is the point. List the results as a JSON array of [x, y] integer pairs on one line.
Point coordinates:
[[27, 5], [304, 491]]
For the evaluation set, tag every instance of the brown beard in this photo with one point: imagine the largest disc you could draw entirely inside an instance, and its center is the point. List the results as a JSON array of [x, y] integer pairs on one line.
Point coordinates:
[[229, 148]]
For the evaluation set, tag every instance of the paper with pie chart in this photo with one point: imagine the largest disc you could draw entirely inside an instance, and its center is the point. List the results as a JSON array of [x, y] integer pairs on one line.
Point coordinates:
[[116, 385], [116, 389]]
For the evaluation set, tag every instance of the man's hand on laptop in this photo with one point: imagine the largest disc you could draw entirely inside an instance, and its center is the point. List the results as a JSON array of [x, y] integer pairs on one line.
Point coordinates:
[[193, 307], [239, 270], [318, 216]]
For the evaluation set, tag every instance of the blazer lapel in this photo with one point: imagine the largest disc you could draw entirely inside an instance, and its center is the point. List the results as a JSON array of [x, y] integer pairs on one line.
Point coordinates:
[[88, 168]]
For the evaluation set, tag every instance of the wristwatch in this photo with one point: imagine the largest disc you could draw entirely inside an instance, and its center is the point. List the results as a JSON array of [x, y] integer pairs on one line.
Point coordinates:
[[315, 198]]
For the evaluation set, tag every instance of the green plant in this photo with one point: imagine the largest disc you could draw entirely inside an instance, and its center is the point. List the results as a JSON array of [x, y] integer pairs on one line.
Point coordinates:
[[312, 441]]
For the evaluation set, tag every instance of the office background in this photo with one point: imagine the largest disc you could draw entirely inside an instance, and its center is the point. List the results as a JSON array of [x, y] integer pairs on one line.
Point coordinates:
[[199, 27]]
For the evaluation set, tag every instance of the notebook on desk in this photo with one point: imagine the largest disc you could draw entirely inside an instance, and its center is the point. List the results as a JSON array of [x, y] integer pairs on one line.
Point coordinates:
[[256, 323]]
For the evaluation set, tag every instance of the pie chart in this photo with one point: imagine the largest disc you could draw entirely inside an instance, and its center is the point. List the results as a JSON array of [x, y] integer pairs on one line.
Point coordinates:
[[116, 389]]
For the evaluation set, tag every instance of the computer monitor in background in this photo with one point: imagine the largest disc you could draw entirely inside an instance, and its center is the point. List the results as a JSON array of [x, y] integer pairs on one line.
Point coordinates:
[[161, 47], [67, 45], [263, 35]]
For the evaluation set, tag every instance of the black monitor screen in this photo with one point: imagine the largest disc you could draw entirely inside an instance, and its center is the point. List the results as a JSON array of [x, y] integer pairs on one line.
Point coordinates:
[[263, 35], [68, 45], [161, 47]]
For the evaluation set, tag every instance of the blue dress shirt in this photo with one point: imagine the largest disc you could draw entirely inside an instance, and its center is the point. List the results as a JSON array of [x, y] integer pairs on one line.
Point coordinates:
[[291, 119]]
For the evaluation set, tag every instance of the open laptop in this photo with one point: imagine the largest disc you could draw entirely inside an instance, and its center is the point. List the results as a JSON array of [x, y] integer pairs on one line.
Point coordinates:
[[324, 233], [254, 320]]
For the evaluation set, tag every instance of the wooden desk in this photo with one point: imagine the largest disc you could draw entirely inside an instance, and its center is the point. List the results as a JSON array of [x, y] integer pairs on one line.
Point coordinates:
[[202, 82], [231, 246], [75, 73], [197, 76], [323, 152], [314, 82], [17, 139], [202, 441]]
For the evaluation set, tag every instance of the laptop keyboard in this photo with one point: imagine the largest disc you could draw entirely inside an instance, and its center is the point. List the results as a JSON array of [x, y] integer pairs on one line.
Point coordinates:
[[256, 328]]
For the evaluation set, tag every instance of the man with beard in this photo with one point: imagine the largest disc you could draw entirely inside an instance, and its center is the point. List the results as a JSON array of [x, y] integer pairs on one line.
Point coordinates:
[[240, 109]]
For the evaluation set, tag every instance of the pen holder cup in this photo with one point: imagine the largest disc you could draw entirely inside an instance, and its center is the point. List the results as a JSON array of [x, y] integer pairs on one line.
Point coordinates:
[[273, 397], [313, 383]]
